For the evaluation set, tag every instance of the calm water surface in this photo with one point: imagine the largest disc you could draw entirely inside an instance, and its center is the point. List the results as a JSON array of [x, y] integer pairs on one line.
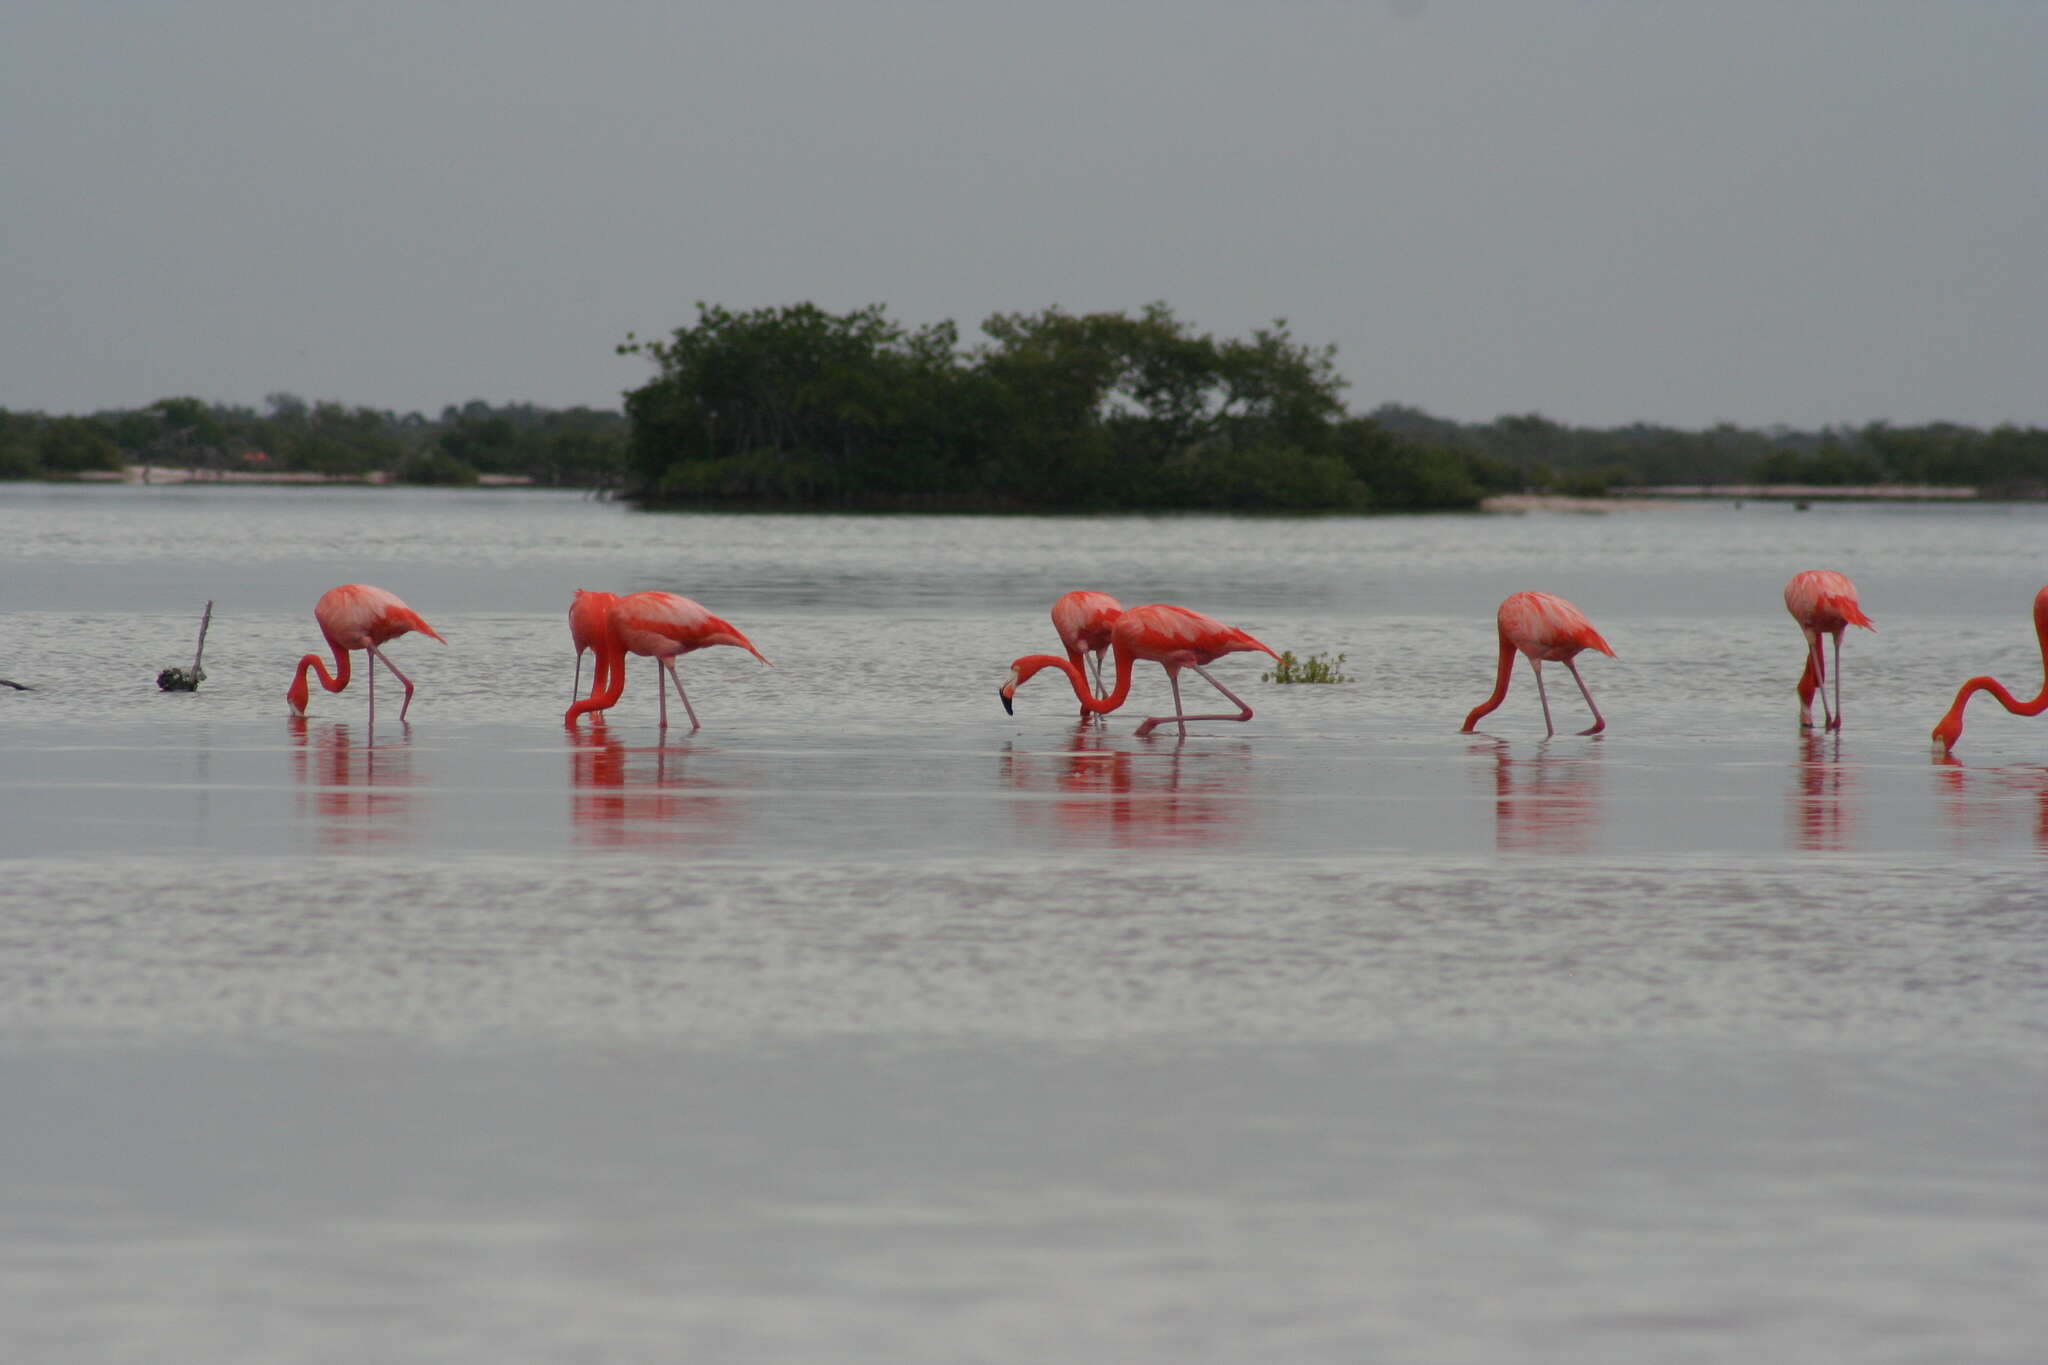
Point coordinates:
[[869, 1023]]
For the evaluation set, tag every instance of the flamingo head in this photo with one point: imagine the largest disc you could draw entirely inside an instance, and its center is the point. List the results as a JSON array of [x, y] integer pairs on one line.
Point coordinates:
[[1947, 731], [295, 695], [1008, 691]]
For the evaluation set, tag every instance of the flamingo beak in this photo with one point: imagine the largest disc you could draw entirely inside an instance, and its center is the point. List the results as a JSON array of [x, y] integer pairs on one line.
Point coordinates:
[[1004, 694]]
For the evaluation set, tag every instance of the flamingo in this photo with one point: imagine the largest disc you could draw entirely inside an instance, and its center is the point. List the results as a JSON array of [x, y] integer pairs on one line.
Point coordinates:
[[1823, 602], [1172, 637], [1083, 620], [665, 626], [1543, 627], [588, 613], [1950, 727], [357, 616]]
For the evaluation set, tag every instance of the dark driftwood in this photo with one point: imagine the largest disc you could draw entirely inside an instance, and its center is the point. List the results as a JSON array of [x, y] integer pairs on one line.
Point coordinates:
[[183, 680]]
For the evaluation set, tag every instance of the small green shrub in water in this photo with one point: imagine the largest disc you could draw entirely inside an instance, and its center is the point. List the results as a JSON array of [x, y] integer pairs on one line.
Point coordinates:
[[1314, 669]]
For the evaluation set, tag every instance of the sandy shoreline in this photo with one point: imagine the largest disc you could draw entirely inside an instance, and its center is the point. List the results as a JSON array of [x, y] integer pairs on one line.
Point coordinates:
[[153, 474], [1516, 503], [1674, 495]]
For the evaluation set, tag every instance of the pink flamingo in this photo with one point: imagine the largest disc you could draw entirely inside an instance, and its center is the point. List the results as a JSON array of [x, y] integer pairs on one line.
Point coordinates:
[[357, 616], [1950, 727], [1823, 602], [1172, 637], [665, 626], [1543, 627], [589, 614], [1084, 620]]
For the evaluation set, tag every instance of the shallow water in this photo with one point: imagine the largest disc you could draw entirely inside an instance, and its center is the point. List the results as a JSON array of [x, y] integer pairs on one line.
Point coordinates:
[[871, 1023]]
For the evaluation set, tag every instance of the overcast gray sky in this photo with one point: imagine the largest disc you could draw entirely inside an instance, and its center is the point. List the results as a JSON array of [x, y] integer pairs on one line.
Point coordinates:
[[1678, 212]]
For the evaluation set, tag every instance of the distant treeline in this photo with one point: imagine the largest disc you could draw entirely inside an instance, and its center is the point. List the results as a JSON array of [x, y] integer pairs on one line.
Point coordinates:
[[577, 447], [2007, 461], [794, 406], [797, 407]]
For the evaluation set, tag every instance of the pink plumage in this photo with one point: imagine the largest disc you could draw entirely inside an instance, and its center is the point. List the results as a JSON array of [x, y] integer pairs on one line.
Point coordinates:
[[351, 617], [1543, 628], [1172, 637], [665, 627], [1823, 602]]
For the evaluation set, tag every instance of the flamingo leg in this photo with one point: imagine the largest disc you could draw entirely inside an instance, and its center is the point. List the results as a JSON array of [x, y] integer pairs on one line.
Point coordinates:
[[1536, 667], [1817, 666], [670, 665], [1599, 721], [371, 669], [1244, 712], [1836, 723], [1095, 666], [661, 690], [577, 685]]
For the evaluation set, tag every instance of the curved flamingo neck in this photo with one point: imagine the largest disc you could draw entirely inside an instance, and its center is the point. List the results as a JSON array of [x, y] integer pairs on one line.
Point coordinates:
[[1500, 684], [1999, 694], [1950, 727], [606, 686], [1030, 665], [1809, 681], [333, 682]]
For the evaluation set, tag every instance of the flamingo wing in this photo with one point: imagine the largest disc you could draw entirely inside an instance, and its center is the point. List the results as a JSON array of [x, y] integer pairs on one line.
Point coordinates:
[[1085, 619], [1170, 634], [1545, 626], [1823, 600], [356, 616], [665, 625]]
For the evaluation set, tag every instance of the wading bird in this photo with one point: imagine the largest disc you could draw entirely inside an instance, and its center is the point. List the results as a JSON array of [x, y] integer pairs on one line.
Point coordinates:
[[1950, 727], [357, 616], [664, 626], [1823, 602], [1545, 628], [1084, 620], [1172, 637], [588, 621]]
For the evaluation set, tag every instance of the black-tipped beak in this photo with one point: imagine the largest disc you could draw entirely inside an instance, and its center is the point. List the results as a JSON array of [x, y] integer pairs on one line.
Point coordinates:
[[1005, 696]]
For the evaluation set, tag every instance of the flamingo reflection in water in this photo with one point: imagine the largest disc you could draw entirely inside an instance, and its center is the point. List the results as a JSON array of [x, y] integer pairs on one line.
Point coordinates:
[[634, 798], [1822, 802], [1545, 802], [358, 795], [1107, 795], [1981, 807]]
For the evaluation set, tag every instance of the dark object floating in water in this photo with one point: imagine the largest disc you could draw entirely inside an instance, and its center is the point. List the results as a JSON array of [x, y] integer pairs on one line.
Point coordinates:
[[19, 687], [188, 679]]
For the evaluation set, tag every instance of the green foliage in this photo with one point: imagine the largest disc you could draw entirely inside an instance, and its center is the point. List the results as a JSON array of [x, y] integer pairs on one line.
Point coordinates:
[[435, 467], [853, 405], [580, 447], [1314, 669], [1054, 410], [1405, 475], [73, 445], [1268, 478]]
